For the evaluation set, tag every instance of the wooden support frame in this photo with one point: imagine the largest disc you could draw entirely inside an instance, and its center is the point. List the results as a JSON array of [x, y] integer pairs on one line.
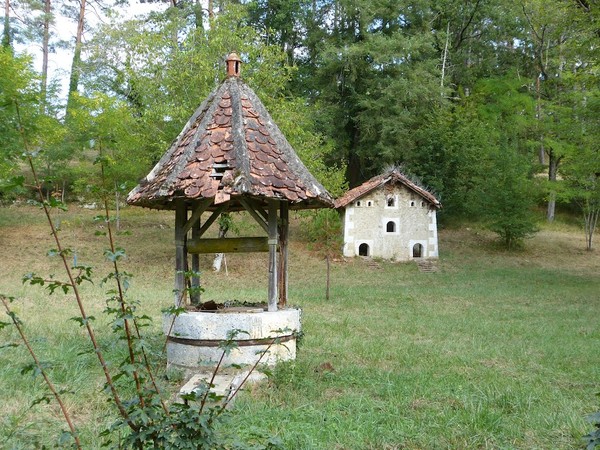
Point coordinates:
[[212, 219], [274, 221], [180, 252], [284, 226], [203, 206], [273, 241], [195, 296]]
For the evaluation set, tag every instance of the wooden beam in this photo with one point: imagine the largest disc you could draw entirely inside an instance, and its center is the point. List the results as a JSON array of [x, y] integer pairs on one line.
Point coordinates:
[[195, 293], [283, 253], [211, 219], [273, 241], [250, 208], [203, 206], [180, 253], [228, 245]]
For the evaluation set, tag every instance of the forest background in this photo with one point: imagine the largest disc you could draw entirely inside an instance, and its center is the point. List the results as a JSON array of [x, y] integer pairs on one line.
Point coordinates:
[[494, 105]]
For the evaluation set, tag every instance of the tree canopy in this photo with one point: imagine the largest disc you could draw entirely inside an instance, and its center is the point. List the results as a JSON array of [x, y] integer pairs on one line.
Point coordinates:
[[472, 97]]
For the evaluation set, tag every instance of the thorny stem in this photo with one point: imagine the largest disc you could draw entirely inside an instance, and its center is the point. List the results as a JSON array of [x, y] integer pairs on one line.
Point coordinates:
[[172, 324], [231, 397], [78, 298], [49, 383], [121, 300], [126, 321], [210, 383]]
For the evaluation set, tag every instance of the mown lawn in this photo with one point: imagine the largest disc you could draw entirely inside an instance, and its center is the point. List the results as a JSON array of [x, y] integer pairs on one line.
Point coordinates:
[[495, 350]]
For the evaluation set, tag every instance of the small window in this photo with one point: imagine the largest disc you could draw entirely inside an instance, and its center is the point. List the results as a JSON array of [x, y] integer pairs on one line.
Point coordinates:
[[422, 204], [358, 203], [412, 203], [369, 203], [417, 251], [391, 202], [390, 227], [363, 250]]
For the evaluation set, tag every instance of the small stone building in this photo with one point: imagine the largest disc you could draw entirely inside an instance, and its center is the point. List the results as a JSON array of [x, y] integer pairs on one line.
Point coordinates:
[[390, 217]]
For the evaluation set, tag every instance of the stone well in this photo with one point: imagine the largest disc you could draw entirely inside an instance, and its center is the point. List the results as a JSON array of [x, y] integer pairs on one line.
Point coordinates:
[[193, 338], [230, 157]]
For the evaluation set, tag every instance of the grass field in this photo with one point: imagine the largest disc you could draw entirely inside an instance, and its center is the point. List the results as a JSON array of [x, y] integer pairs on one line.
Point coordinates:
[[495, 350]]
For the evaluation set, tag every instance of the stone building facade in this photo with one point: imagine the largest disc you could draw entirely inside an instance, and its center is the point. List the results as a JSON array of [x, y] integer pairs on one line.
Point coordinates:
[[390, 217]]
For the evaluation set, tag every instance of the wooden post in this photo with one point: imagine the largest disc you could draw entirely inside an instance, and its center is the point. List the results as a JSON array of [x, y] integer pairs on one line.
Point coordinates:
[[195, 295], [180, 253], [273, 279], [283, 254]]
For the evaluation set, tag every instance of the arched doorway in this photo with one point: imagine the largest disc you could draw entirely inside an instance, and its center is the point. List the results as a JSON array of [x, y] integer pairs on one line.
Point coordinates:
[[363, 249], [417, 251]]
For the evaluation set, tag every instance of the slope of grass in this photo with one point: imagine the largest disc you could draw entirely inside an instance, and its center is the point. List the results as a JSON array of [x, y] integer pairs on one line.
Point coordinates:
[[496, 350]]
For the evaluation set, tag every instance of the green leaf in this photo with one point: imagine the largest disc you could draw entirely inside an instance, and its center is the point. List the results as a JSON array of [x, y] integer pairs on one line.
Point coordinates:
[[594, 418], [81, 321], [115, 256], [43, 399], [9, 345], [55, 203], [12, 184], [65, 438]]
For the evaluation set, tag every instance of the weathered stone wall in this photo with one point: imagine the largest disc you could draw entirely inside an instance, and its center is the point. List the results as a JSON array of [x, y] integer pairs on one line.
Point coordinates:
[[391, 221]]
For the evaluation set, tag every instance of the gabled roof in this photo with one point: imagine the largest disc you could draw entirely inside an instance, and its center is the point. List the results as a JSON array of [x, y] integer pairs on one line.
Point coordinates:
[[391, 176], [230, 147]]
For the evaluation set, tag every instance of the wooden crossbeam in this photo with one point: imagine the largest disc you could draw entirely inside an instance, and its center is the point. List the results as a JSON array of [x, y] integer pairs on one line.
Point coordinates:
[[228, 245]]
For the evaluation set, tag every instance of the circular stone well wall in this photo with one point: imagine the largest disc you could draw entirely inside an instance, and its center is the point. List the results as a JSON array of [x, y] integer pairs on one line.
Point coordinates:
[[193, 337]]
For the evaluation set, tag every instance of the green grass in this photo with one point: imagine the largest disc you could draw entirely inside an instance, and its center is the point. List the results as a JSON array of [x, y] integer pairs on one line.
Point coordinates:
[[496, 350]]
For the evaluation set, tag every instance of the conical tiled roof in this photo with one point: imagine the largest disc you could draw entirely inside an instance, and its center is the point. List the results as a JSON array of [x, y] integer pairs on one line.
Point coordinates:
[[229, 148]]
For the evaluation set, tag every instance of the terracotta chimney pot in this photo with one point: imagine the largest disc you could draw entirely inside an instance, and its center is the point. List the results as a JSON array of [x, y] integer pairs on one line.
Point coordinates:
[[234, 64]]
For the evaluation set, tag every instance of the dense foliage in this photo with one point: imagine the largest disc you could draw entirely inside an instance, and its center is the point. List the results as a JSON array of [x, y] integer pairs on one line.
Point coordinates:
[[456, 92]]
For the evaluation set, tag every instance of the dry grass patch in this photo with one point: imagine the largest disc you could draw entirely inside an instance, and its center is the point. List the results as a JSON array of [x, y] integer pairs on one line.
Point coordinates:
[[497, 349]]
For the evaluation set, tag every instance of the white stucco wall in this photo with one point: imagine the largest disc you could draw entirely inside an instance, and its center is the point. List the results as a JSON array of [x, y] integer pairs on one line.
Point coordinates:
[[369, 220]]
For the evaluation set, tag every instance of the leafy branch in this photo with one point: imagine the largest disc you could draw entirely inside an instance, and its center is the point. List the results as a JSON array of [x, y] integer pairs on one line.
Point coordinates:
[[72, 283]]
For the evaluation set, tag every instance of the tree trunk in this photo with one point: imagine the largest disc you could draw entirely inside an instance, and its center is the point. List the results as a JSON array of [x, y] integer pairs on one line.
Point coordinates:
[[553, 162], [444, 58], [6, 31], [198, 15], [591, 221], [76, 63], [538, 116], [45, 52]]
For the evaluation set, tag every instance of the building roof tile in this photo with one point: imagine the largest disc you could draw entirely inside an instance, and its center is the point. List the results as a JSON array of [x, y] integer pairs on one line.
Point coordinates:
[[390, 176]]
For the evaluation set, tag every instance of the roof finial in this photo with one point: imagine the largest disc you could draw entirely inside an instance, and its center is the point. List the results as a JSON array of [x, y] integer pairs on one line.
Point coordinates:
[[234, 64]]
